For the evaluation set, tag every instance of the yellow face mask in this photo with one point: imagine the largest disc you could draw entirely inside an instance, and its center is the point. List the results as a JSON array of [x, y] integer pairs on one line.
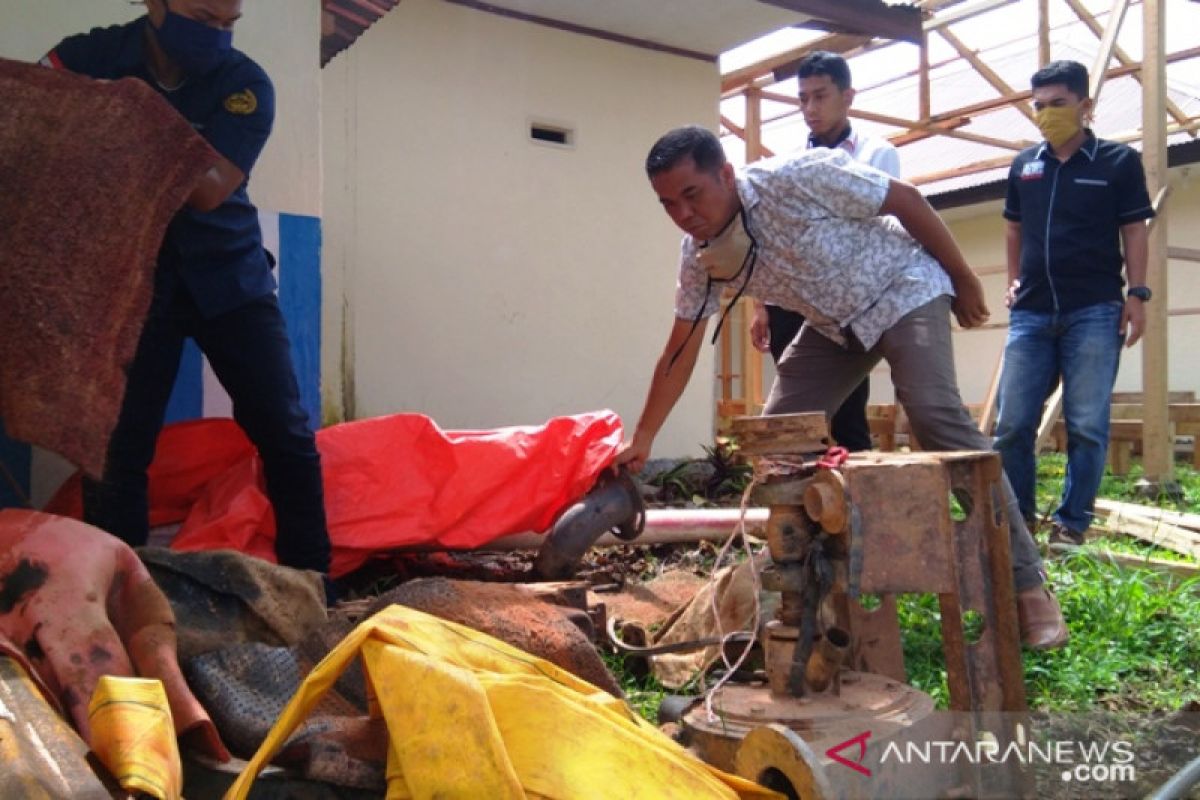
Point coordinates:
[[1058, 124]]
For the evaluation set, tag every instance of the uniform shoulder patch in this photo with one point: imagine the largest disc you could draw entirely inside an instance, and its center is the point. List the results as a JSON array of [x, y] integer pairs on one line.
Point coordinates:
[[242, 103]]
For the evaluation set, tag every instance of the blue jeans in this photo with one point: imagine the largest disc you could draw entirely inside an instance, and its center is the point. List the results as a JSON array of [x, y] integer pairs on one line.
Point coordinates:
[[1083, 347], [249, 352]]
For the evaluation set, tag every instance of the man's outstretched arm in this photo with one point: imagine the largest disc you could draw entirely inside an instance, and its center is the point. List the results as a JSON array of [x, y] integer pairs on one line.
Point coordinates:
[[666, 386]]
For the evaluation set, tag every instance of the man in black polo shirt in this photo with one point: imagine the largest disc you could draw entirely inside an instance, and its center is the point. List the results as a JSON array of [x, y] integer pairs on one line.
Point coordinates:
[[213, 281], [1073, 200]]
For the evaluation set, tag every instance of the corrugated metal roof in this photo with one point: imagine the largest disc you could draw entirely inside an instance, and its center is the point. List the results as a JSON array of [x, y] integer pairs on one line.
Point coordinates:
[[345, 20], [1005, 40]]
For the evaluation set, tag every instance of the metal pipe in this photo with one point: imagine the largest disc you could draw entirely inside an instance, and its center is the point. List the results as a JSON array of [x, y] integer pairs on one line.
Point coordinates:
[[614, 504], [826, 659], [1180, 783], [663, 526]]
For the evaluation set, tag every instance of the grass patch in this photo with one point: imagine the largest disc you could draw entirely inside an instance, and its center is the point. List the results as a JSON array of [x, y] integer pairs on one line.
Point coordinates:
[[643, 692], [1135, 634], [1135, 642]]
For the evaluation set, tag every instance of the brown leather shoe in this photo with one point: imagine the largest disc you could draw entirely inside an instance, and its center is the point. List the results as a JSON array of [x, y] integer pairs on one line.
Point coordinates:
[[1041, 619]]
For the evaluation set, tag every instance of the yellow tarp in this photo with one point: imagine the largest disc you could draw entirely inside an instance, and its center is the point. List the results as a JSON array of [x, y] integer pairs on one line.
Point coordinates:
[[133, 735], [471, 717]]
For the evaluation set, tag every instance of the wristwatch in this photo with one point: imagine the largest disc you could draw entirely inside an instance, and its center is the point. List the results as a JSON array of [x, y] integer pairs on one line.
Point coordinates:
[[1140, 292]]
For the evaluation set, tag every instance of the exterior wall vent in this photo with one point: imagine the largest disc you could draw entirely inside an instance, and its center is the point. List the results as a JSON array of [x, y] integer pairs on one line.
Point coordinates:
[[547, 133]]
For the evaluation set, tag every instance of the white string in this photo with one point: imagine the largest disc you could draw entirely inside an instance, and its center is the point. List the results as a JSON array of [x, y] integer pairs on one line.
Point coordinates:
[[762, 470]]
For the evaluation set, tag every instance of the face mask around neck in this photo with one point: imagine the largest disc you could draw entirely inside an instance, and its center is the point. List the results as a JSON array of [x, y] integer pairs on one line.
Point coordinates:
[[724, 256]]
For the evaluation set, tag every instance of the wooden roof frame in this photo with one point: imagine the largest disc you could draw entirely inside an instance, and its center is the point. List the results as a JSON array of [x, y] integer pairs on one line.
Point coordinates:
[[754, 82]]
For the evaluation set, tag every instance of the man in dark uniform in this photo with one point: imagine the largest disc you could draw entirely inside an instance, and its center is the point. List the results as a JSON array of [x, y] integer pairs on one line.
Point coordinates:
[[213, 282]]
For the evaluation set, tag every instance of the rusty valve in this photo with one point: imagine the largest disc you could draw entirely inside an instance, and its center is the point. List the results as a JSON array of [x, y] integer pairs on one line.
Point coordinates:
[[825, 501], [826, 659]]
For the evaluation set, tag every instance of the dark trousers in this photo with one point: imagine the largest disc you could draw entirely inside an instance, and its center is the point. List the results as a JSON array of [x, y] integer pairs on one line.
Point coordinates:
[[249, 352], [849, 423]]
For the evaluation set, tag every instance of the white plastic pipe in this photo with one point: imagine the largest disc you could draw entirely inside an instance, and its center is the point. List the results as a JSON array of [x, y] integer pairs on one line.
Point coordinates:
[[663, 526]]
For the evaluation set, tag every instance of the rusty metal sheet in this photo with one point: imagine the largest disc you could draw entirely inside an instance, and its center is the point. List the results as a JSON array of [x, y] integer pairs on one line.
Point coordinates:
[[40, 755], [904, 513]]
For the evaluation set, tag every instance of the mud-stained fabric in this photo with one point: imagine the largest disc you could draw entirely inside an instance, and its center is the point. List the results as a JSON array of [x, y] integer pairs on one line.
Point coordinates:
[[92, 173], [470, 716], [247, 686], [222, 597]]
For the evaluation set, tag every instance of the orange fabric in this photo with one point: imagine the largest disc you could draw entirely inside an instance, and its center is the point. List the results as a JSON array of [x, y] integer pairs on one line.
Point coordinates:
[[188, 457], [400, 481]]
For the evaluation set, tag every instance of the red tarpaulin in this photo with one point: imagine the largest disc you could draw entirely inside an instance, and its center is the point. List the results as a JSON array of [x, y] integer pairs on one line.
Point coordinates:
[[390, 482]]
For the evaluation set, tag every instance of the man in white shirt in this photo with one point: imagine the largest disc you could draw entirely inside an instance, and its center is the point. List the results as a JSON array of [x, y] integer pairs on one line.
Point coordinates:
[[825, 99]]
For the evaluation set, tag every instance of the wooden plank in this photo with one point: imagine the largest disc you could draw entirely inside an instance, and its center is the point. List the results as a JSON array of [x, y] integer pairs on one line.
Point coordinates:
[[782, 434], [923, 102], [942, 20], [1138, 397], [1181, 519], [1176, 568], [987, 415], [1107, 43], [834, 43], [1178, 413], [881, 418], [1123, 58], [1184, 253], [1158, 457], [1128, 518], [1044, 33], [1049, 417], [753, 137]]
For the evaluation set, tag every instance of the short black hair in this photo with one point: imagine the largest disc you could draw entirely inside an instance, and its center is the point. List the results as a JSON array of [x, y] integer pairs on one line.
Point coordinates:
[[822, 62], [691, 141], [1071, 74]]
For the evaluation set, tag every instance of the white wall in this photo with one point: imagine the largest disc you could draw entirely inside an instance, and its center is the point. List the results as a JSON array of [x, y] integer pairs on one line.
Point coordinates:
[[980, 232], [281, 35], [489, 280]]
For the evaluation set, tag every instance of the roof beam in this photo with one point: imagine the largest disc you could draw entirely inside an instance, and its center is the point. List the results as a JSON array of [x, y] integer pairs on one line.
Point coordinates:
[[964, 13], [1089, 20], [941, 128], [1002, 161], [837, 43], [1044, 32], [740, 132], [1107, 43], [986, 72], [865, 17]]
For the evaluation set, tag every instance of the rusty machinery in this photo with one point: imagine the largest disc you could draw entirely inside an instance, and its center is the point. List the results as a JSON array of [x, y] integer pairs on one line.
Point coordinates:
[[876, 525]]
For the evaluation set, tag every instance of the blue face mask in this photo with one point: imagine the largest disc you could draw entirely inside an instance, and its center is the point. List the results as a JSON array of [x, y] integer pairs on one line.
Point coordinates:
[[197, 48]]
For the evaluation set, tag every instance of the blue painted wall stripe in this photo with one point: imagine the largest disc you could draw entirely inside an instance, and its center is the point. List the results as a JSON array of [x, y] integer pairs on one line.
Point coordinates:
[[300, 299], [187, 397]]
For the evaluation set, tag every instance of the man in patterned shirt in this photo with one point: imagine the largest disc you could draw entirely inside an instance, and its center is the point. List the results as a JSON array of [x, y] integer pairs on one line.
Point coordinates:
[[807, 233]]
